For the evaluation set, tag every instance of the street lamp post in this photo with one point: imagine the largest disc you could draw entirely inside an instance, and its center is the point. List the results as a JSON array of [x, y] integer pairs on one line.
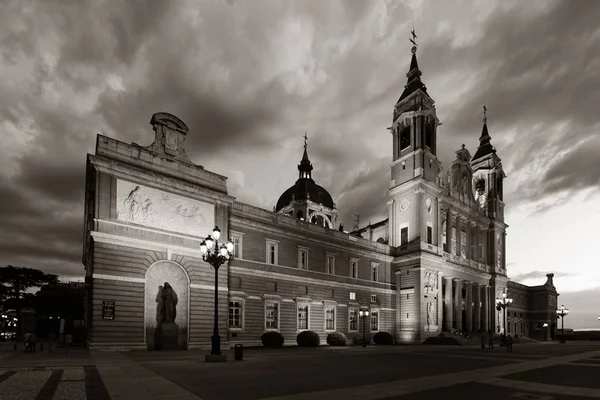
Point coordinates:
[[216, 255], [363, 315], [562, 312], [502, 303]]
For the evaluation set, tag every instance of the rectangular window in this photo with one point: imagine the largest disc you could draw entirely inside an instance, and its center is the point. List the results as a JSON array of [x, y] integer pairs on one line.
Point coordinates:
[[272, 252], [271, 315], [352, 295], [354, 268], [374, 321], [429, 234], [373, 298], [353, 319], [430, 162], [404, 236], [374, 272], [237, 239], [330, 260], [330, 318], [303, 317], [235, 314], [303, 258], [403, 164]]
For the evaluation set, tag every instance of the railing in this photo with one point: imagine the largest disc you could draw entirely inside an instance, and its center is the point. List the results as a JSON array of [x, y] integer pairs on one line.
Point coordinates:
[[282, 219]]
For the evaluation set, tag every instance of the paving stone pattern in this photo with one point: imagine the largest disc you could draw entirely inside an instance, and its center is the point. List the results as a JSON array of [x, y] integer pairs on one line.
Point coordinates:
[[52, 383]]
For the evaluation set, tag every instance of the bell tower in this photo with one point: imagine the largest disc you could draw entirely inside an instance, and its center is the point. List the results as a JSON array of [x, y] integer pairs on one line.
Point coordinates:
[[415, 166], [488, 178]]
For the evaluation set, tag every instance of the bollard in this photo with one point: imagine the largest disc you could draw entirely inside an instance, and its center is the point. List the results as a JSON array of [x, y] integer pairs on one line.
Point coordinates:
[[239, 352]]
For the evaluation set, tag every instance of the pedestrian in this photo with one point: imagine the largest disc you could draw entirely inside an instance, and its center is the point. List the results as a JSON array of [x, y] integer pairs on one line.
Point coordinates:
[[509, 343], [482, 342], [68, 340], [51, 342], [490, 341]]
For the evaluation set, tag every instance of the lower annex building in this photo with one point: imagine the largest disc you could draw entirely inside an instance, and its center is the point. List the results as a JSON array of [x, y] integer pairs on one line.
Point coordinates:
[[437, 262]]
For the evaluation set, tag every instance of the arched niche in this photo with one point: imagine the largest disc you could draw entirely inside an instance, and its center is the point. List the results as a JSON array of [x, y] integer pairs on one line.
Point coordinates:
[[156, 276]]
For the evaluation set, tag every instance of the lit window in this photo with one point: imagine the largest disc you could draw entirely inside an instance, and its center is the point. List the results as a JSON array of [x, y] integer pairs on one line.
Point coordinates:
[[429, 234], [352, 295], [271, 315], [353, 319], [303, 316], [374, 321], [330, 318], [235, 314]]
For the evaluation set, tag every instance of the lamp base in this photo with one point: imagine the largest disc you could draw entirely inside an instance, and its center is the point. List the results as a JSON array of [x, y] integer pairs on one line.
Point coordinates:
[[215, 358]]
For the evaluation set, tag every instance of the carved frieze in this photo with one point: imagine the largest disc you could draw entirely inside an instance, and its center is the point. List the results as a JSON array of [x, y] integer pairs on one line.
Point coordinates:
[[151, 207]]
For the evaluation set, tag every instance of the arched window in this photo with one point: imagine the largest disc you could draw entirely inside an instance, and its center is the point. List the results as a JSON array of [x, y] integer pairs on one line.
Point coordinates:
[[381, 240], [300, 214], [405, 138]]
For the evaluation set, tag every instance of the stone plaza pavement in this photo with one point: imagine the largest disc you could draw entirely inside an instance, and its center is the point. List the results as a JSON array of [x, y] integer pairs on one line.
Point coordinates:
[[533, 371]]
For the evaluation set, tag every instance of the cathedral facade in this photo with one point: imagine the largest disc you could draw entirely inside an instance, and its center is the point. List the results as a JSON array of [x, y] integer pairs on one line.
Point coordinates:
[[437, 263]]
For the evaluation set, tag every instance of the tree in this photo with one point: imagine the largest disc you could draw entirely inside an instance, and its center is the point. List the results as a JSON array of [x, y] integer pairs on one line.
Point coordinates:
[[15, 281]]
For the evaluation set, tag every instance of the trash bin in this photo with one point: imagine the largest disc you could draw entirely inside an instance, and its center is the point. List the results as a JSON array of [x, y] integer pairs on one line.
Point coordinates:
[[239, 352]]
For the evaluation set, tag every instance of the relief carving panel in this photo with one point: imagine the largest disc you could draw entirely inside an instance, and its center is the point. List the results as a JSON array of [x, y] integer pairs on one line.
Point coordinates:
[[154, 208]]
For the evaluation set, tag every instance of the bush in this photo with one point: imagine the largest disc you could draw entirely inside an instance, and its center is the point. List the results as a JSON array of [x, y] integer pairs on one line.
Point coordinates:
[[336, 339], [383, 338], [358, 339], [272, 339], [308, 339]]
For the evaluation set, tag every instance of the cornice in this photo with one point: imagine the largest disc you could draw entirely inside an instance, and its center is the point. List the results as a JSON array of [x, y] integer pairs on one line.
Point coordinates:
[[159, 180]]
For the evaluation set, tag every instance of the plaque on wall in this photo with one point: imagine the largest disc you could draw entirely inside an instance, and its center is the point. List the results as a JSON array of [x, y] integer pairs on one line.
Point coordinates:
[[108, 310]]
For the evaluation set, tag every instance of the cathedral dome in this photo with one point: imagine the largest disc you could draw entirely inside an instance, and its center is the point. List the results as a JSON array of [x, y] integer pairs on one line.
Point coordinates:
[[305, 189]]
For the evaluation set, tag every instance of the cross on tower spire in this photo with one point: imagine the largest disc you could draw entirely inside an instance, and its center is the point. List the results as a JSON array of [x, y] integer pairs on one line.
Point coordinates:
[[305, 139], [484, 114], [413, 40]]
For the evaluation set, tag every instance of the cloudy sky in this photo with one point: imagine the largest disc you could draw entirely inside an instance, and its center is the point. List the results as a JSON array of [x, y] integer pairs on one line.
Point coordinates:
[[251, 77]]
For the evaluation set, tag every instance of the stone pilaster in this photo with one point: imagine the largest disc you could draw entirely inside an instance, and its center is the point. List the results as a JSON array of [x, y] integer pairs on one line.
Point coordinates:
[[440, 303], [391, 223], [448, 248], [476, 307], [469, 306], [468, 233], [485, 307], [457, 307], [484, 241], [458, 236], [448, 300]]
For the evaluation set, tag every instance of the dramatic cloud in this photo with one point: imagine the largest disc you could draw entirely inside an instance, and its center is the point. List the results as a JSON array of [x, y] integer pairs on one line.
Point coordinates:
[[250, 78]]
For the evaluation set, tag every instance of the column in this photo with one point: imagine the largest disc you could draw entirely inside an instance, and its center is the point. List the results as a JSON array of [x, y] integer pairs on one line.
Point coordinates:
[[476, 307], [448, 303], [398, 305], [448, 248], [485, 307], [440, 303], [457, 304], [468, 307], [504, 250], [458, 236]]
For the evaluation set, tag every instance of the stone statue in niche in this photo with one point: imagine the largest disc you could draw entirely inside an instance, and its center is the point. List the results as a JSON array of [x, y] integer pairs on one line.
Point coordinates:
[[167, 305], [431, 281]]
